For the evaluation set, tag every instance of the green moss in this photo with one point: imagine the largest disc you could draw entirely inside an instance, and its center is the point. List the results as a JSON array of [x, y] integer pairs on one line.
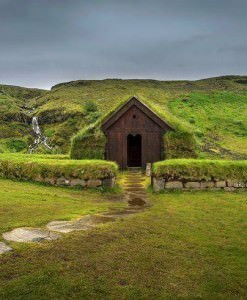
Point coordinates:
[[28, 167], [179, 144], [195, 169]]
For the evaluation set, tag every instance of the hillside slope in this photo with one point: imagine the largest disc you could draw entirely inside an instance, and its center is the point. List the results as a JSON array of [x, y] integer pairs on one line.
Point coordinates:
[[216, 109], [15, 133]]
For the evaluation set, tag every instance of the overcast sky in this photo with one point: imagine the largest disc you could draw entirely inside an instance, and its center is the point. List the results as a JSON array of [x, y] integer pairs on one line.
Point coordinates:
[[43, 42]]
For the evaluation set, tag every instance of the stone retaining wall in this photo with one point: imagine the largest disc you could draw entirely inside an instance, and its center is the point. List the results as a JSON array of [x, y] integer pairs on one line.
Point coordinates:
[[73, 182], [160, 184]]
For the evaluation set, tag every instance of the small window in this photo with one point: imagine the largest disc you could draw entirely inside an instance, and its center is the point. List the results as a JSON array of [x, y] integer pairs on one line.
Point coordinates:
[[134, 116]]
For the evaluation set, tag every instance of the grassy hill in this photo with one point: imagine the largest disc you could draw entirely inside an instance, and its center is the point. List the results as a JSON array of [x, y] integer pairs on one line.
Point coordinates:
[[214, 108]]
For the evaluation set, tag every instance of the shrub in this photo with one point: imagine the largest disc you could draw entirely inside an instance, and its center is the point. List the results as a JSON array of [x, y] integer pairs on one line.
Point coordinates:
[[90, 107], [199, 170], [28, 167]]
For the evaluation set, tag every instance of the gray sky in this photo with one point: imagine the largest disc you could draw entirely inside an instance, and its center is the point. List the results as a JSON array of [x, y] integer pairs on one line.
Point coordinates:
[[43, 42]]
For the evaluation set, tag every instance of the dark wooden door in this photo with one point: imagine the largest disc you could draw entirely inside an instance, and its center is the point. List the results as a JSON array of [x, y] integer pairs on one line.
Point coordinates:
[[134, 150]]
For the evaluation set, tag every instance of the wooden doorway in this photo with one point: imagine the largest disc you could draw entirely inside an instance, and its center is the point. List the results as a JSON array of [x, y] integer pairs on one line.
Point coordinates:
[[134, 150]]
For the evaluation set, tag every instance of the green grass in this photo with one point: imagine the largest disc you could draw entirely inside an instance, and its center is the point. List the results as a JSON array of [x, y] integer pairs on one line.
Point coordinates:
[[219, 119], [186, 246], [29, 204], [38, 168], [215, 110], [196, 169]]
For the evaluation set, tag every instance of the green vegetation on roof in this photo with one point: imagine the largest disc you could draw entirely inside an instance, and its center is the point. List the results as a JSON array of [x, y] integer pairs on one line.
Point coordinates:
[[201, 107]]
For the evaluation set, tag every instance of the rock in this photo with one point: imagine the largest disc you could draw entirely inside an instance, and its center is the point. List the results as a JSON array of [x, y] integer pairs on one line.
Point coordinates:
[[67, 226], [84, 223], [94, 183], [108, 182], [148, 169], [229, 188], [38, 178], [158, 184], [62, 181], [174, 185], [235, 183], [207, 184], [4, 248], [27, 234], [78, 182], [51, 181], [220, 184], [192, 185]]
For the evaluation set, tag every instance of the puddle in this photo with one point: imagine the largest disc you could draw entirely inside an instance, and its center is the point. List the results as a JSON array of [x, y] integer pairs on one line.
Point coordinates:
[[137, 202], [133, 189]]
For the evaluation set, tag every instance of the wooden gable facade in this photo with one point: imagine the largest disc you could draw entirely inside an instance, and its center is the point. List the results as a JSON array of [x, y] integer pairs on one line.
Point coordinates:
[[134, 135]]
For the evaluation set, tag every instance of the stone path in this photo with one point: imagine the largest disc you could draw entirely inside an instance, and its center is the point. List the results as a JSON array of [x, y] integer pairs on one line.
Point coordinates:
[[4, 248], [27, 234], [135, 196]]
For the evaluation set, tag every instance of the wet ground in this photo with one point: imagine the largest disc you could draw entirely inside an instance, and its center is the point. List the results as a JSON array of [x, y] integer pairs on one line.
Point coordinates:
[[134, 194]]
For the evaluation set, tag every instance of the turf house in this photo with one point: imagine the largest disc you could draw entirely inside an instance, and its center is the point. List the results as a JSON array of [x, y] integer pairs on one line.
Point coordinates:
[[132, 135]]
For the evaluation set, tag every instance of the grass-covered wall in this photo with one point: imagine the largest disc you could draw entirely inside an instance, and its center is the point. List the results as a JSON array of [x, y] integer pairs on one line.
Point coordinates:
[[89, 143]]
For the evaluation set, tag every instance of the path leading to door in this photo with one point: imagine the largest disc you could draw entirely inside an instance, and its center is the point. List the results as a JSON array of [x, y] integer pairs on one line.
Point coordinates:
[[135, 191], [134, 194]]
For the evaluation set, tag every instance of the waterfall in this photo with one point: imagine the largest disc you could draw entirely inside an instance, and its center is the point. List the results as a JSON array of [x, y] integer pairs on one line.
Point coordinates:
[[39, 137], [35, 126]]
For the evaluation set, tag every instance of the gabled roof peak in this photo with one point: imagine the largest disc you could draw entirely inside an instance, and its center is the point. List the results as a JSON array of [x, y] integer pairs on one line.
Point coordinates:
[[134, 100]]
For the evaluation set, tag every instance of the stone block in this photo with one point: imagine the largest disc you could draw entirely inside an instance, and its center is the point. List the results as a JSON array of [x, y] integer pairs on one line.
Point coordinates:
[[78, 182], [38, 178], [207, 184], [51, 181], [158, 184], [63, 181], [238, 184], [174, 185], [220, 184], [108, 182], [148, 169], [192, 185], [94, 183], [229, 188]]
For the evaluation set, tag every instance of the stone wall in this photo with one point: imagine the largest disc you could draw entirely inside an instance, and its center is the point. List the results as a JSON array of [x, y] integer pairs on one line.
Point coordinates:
[[160, 184], [73, 182]]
